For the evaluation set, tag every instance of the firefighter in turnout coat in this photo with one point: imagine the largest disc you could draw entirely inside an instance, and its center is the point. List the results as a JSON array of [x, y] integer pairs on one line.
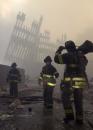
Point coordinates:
[[73, 81], [13, 79], [48, 77]]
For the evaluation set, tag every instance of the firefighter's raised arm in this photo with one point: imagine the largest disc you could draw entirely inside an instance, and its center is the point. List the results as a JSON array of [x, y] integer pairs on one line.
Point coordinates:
[[58, 56]]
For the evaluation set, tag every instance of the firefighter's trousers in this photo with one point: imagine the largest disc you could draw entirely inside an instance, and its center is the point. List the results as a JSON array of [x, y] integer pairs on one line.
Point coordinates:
[[14, 89], [67, 92], [78, 101], [48, 96]]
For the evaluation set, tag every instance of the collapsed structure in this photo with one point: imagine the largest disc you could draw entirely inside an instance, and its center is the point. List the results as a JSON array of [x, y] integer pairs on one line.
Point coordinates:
[[28, 46]]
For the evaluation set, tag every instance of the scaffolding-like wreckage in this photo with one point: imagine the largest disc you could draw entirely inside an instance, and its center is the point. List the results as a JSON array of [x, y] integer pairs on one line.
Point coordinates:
[[28, 46]]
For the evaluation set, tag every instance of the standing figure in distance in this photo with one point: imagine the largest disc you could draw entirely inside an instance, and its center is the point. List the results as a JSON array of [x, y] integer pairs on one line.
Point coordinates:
[[13, 78], [74, 80], [48, 77]]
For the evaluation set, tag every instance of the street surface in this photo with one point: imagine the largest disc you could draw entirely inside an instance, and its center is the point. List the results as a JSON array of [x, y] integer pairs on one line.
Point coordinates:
[[33, 116]]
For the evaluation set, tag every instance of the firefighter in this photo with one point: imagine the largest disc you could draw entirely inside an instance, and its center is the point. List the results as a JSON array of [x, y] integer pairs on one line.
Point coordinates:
[[73, 81], [13, 79], [48, 77]]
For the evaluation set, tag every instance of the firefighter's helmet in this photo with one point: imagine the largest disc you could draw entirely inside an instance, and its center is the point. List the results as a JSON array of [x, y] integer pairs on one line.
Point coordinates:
[[48, 58], [13, 64], [70, 45]]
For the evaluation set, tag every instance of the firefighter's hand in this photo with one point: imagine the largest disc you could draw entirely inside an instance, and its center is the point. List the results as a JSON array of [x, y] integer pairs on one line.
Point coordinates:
[[60, 49], [57, 75]]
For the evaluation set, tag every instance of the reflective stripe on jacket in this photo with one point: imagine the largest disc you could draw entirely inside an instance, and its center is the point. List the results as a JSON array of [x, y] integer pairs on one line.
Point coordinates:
[[75, 82], [14, 76], [49, 80], [13, 81]]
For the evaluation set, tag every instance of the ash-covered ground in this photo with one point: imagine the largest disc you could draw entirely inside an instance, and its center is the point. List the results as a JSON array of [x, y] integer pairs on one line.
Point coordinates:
[[33, 116]]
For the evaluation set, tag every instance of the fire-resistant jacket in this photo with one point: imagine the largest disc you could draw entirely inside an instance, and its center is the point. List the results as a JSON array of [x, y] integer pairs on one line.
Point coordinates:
[[75, 67], [14, 76], [49, 75]]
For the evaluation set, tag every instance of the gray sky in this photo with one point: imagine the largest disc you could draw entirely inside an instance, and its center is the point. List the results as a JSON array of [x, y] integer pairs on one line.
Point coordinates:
[[73, 17]]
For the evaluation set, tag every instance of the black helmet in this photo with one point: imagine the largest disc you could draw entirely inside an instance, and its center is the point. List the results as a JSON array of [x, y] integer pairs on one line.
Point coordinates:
[[48, 58], [13, 64], [70, 45]]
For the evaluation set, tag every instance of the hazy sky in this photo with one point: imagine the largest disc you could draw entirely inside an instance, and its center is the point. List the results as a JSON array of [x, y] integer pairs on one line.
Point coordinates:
[[73, 17], [69, 16]]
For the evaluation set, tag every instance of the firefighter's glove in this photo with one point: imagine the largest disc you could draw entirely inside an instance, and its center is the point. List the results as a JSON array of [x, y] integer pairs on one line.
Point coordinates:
[[60, 49], [57, 75]]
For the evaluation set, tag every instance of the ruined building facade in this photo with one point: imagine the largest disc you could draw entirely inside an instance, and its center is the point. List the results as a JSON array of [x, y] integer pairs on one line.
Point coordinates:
[[28, 46]]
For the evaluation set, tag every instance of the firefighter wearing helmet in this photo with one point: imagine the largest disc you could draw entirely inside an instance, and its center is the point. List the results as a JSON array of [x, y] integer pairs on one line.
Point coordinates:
[[13, 78], [73, 81], [48, 77]]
